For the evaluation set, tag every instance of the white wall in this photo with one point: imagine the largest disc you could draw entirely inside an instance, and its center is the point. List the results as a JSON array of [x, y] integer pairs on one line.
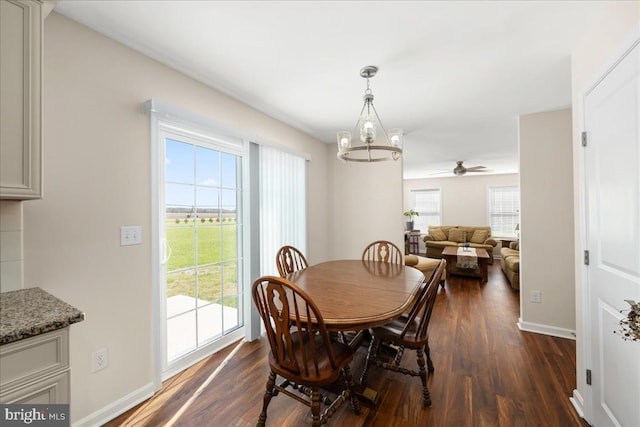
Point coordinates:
[[547, 223], [601, 44], [367, 205], [464, 198], [11, 253], [97, 178]]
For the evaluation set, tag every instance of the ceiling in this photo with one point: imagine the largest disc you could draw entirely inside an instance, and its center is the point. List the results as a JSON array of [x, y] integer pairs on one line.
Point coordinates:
[[455, 75]]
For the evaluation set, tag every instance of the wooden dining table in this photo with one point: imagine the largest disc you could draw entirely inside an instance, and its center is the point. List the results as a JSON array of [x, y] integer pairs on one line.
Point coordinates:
[[355, 295]]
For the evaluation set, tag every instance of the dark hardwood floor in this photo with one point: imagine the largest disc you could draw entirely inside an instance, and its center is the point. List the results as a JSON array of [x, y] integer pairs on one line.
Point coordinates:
[[487, 373]]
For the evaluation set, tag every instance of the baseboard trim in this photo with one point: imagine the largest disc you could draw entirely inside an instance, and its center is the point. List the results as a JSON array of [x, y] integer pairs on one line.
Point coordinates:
[[546, 330], [578, 403], [116, 408]]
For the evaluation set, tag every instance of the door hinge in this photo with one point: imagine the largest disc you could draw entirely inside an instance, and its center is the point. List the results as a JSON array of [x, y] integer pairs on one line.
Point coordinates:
[[584, 139], [586, 257], [588, 376]]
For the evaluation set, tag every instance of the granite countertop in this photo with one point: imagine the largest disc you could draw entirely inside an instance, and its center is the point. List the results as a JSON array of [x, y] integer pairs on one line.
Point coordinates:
[[29, 312]]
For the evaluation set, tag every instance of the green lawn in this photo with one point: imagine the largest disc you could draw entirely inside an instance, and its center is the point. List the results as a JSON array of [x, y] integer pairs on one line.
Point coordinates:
[[216, 261]]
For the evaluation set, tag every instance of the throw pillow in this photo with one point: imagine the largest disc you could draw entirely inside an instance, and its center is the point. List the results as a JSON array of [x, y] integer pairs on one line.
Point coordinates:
[[437, 234], [479, 236], [457, 235]]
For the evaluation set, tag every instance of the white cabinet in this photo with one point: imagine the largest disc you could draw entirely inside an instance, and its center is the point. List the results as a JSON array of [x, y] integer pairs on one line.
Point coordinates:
[[21, 24], [36, 370]]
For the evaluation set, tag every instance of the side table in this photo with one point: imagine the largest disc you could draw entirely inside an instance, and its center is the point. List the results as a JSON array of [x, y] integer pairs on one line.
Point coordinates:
[[506, 241], [414, 242]]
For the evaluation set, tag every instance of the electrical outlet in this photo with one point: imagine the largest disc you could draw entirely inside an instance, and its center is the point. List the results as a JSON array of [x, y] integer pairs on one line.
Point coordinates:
[[130, 235], [536, 296], [99, 360]]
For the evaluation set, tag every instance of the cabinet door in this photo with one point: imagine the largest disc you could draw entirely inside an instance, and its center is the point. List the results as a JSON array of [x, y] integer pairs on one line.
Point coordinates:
[[36, 370], [51, 390], [20, 99], [27, 360]]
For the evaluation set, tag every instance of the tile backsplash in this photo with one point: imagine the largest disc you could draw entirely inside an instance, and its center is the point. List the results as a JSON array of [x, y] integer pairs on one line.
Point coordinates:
[[11, 254]]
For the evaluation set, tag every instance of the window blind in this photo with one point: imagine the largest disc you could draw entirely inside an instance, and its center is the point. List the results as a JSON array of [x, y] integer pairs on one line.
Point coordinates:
[[282, 205], [504, 210], [428, 203]]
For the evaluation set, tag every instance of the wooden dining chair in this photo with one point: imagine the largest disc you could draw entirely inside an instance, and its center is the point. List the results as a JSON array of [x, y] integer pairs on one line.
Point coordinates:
[[382, 250], [290, 259], [408, 332], [301, 350]]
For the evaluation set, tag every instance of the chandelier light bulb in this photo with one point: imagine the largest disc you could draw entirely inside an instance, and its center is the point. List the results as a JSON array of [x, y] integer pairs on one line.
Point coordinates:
[[344, 140], [395, 137], [367, 129]]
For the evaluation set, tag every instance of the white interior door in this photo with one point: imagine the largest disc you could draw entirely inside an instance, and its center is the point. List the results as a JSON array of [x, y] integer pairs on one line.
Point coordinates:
[[612, 122]]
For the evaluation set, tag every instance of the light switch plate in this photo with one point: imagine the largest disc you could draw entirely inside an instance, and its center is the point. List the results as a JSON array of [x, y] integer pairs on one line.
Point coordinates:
[[130, 235]]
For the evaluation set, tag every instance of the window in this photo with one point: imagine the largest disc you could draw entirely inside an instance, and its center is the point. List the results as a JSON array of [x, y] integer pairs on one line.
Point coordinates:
[[504, 210], [428, 203]]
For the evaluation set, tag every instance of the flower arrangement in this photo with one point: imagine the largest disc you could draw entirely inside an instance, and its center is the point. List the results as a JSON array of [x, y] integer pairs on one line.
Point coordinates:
[[630, 326]]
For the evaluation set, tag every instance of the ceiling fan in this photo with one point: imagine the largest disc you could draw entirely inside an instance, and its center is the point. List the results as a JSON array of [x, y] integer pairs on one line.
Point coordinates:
[[460, 170]]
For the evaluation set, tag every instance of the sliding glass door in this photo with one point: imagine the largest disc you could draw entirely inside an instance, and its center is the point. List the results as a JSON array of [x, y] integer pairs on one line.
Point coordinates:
[[201, 228]]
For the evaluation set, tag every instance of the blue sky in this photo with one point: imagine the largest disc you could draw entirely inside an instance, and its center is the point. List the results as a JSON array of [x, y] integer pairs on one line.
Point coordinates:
[[199, 175]]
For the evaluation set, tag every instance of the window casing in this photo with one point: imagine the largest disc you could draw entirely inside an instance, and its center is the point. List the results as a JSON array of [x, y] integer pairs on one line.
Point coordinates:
[[504, 210]]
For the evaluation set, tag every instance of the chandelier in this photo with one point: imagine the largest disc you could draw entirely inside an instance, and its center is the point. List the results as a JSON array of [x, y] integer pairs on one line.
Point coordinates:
[[367, 125]]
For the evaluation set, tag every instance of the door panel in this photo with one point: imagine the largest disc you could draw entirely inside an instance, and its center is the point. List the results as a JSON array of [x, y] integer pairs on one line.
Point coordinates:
[[612, 157], [201, 224]]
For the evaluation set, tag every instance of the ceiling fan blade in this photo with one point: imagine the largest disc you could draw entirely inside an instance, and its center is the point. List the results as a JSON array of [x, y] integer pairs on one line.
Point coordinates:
[[480, 170], [476, 168]]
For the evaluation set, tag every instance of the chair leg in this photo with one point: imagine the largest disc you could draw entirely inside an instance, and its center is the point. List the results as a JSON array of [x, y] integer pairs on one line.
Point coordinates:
[[426, 396], [348, 379], [371, 355], [398, 357], [315, 408], [429, 361], [268, 394]]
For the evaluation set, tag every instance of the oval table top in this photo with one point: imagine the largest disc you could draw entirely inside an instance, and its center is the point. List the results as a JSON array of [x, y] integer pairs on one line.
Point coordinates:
[[356, 295]]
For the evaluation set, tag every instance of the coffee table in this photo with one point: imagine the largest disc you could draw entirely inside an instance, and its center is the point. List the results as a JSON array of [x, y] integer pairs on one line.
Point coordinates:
[[450, 253]]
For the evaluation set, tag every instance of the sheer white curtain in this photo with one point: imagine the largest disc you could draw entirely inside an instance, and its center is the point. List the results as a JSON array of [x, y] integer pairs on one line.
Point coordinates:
[[283, 216]]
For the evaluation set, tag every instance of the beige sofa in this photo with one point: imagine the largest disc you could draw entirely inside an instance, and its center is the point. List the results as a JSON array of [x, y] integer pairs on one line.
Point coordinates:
[[510, 264], [443, 236], [425, 265]]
